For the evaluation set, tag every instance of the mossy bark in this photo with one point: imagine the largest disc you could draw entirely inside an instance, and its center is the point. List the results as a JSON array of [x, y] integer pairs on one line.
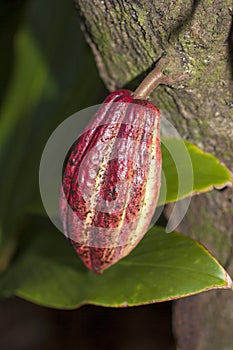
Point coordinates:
[[127, 38]]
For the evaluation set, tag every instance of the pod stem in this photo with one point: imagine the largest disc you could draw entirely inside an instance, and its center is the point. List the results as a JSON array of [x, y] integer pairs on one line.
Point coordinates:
[[155, 78]]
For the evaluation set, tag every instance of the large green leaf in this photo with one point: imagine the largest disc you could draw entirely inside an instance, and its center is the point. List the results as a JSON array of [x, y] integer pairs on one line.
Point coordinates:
[[163, 266], [188, 171]]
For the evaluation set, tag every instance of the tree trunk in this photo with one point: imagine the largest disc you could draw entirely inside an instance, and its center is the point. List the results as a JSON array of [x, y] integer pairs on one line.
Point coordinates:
[[127, 38]]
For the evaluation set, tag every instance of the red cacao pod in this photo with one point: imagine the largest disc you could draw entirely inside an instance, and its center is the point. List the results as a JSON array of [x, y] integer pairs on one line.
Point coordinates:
[[111, 178]]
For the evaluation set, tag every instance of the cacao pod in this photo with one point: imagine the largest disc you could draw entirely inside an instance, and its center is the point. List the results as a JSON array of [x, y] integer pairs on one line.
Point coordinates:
[[111, 177]]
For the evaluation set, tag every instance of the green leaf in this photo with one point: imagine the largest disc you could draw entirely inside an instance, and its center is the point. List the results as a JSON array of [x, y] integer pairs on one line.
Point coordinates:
[[188, 171], [162, 267]]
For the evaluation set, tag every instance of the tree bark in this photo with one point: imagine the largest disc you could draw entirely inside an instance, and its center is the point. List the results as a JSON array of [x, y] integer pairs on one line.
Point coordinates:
[[127, 38]]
